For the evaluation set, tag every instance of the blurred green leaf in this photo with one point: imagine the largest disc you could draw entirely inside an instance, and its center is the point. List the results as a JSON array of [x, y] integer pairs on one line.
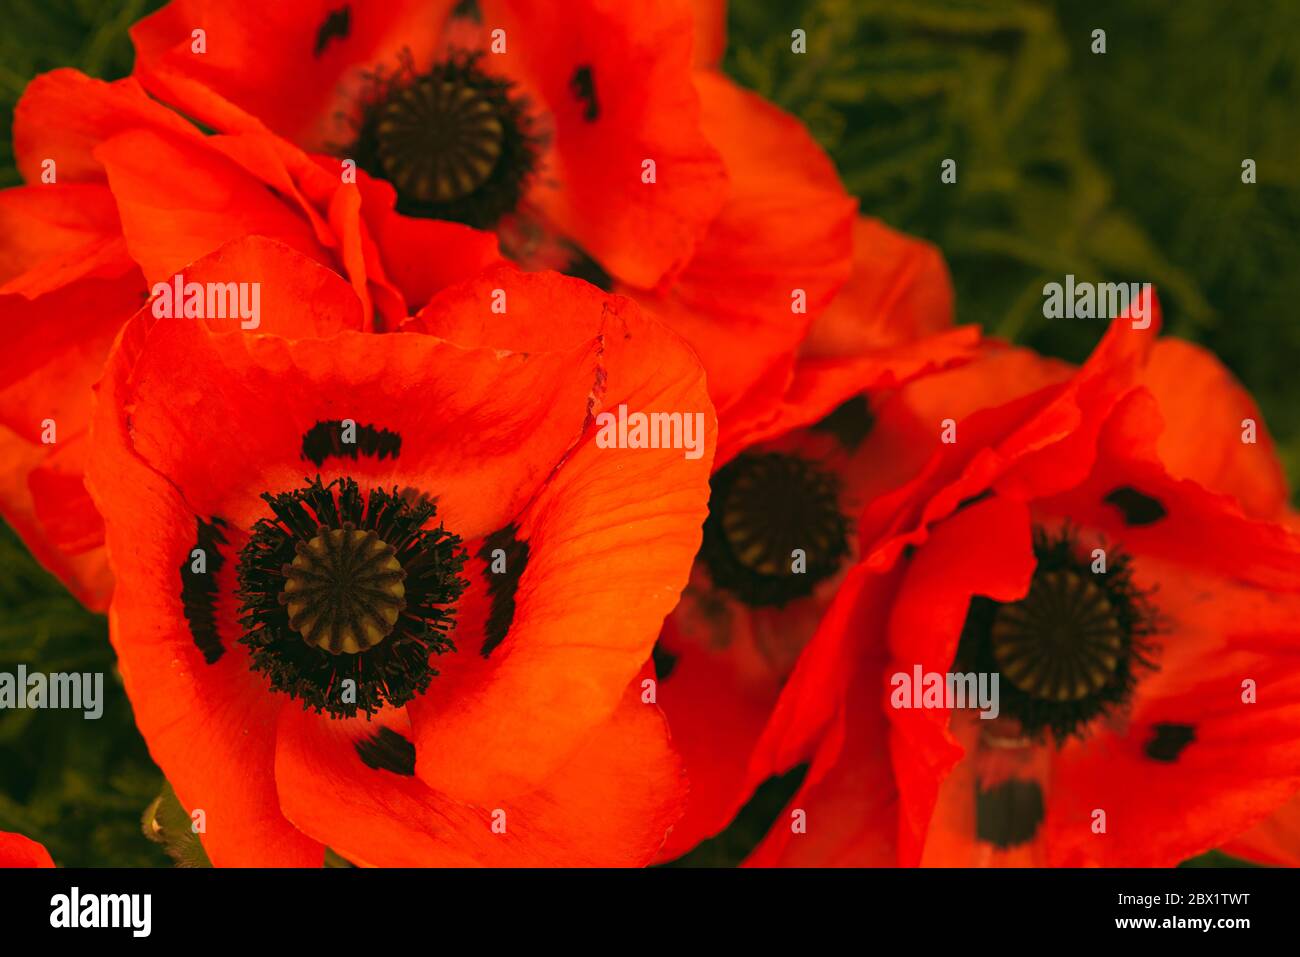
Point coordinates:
[[75, 784]]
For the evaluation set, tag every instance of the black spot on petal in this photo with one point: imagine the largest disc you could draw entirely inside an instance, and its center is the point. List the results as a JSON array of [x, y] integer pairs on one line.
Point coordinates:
[[583, 86], [1168, 741], [582, 266], [664, 660], [199, 589], [325, 439], [468, 9], [386, 750], [1008, 814], [850, 423], [336, 26], [1137, 507], [503, 573], [974, 499]]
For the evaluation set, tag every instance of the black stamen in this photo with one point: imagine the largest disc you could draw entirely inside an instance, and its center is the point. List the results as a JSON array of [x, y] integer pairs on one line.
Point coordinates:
[[386, 750], [583, 87], [325, 439], [1168, 741], [438, 141], [1071, 650], [336, 26], [1137, 507], [1008, 814], [502, 582], [199, 590], [764, 507], [454, 142], [384, 669], [1062, 641]]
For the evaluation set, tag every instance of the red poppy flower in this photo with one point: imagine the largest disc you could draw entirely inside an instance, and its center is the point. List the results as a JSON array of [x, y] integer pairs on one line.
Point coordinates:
[[533, 118], [710, 31], [1275, 841], [123, 194], [472, 696], [19, 851], [741, 238], [778, 253], [787, 478], [1141, 623], [1199, 395]]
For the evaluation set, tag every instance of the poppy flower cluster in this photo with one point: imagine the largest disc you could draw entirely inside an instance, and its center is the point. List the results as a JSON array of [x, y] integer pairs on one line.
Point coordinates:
[[382, 582]]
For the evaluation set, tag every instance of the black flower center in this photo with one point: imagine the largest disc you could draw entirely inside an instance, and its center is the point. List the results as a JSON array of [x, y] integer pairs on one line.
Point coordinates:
[[345, 598], [1071, 649], [1062, 641], [774, 528], [439, 141], [453, 141]]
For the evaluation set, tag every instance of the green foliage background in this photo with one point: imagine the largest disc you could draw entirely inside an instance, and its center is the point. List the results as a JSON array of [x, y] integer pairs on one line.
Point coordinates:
[[1123, 166]]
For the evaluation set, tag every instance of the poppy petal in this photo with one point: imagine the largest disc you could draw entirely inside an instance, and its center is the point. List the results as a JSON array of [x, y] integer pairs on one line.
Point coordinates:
[[45, 394], [1037, 439], [899, 291], [1208, 418], [209, 724], [44, 376], [1131, 498], [984, 549], [1203, 756], [819, 386], [312, 53], [851, 631], [63, 115], [85, 574], [19, 851], [422, 256], [777, 254], [617, 84], [610, 538], [62, 504], [716, 711], [471, 450], [610, 803], [847, 806], [889, 324], [710, 31], [180, 200], [1276, 841], [41, 224]]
